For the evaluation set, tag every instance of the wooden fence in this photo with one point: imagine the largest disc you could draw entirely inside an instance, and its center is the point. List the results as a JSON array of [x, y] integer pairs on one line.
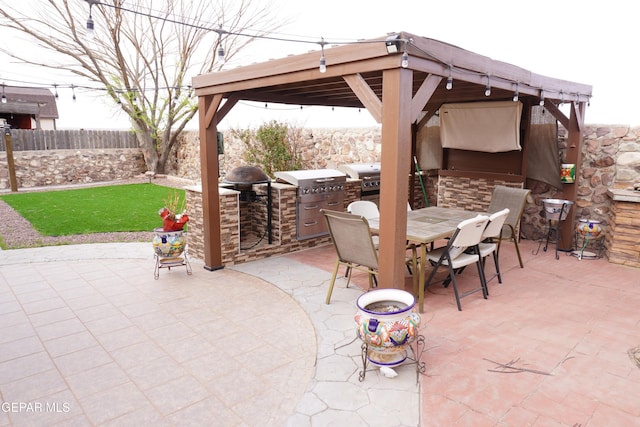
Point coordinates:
[[29, 140]]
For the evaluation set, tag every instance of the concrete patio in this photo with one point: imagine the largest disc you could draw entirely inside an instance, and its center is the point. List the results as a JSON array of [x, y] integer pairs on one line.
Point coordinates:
[[88, 337]]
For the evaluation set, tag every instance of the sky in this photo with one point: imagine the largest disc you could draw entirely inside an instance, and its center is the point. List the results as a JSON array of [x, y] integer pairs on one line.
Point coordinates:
[[585, 41]]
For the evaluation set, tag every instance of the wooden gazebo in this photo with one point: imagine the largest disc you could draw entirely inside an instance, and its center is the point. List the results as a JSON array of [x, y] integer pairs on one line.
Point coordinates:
[[402, 80]]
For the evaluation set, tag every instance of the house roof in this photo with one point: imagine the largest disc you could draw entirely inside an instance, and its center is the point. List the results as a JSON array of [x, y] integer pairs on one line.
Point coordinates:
[[24, 100]]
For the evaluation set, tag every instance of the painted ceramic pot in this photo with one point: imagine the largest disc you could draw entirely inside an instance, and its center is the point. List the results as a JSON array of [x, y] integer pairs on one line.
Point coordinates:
[[168, 243], [556, 209], [388, 322], [589, 228]]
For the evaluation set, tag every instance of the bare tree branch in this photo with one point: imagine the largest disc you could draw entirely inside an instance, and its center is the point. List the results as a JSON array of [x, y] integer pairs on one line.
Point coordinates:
[[142, 57]]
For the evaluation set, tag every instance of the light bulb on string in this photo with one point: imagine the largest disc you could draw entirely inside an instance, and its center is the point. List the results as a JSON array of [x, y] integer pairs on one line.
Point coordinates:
[[55, 90], [516, 94], [541, 98], [90, 28], [404, 63], [487, 89], [73, 91], [90, 24], [221, 59], [4, 97], [323, 60]]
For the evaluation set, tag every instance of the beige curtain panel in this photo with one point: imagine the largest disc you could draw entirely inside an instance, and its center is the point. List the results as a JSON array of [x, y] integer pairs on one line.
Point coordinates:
[[491, 127]]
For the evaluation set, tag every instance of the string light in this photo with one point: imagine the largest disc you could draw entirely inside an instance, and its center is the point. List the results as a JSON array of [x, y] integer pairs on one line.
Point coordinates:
[[221, 55], [55, 90], [4, 97], [449, 85], [90, 24], [321, 43], [323, 60], [221, 52], [405, 57], [73, 91], [516, 94]]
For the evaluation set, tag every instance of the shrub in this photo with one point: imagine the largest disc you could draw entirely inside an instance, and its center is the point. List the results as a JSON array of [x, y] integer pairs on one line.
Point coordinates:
[[271, 147]]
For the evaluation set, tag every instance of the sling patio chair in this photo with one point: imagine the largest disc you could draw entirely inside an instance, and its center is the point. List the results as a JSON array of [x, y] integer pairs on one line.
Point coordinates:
[[352, 239], [468, 234], [515, 200]]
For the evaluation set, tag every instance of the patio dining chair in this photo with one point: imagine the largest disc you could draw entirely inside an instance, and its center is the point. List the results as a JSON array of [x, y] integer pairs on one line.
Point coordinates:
[[468, 234], [354, 246], [515, 200], [487, 246], [367, 209]]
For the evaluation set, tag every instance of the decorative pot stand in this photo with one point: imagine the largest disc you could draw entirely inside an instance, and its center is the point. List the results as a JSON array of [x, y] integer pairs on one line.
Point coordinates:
[[171, 262], [416, 349], [586, 242]]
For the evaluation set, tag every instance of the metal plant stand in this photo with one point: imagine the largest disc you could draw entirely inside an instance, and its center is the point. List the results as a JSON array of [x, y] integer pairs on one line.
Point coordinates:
[[555, 216], [171, 262], [586, 242], [416, 349]]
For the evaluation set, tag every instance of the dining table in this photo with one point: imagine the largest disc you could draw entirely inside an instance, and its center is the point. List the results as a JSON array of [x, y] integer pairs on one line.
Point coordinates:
[[424, 227]]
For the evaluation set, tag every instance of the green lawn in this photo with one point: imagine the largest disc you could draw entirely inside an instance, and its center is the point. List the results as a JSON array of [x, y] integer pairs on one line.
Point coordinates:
[[130, 207]]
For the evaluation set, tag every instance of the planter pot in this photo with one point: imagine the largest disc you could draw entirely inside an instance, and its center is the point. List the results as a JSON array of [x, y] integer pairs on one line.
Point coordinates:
[[556, 209], [588, 228], [387, 321], [169, 243]]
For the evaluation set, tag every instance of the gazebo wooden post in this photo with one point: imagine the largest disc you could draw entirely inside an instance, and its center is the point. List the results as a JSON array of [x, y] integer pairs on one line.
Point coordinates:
[[395, 161], [208, 106], [573, 155]]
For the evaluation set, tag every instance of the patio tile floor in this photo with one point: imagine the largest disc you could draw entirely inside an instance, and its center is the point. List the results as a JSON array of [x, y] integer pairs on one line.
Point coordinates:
[[88, 337]]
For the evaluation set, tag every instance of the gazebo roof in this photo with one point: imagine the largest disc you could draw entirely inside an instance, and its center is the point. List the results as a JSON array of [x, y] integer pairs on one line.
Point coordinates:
[[297, 79]]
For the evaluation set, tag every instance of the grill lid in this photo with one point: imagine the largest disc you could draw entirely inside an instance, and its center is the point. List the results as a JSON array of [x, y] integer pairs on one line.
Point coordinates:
[[304, 177], [360, 170], [246, 175]]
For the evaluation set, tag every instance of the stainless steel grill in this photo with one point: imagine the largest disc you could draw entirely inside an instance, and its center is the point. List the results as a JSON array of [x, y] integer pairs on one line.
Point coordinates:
[[369, 173], [317, 189]]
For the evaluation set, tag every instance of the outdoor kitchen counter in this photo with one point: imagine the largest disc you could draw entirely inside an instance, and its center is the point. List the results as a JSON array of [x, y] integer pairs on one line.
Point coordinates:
[[621, 195], [224, 189], [284, 214], [622, 245]]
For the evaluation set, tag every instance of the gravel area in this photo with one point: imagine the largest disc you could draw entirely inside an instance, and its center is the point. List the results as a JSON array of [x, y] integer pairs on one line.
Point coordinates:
[[16, 232]]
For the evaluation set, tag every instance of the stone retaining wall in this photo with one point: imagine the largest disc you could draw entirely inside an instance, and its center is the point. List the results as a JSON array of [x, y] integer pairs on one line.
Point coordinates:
[[43, 168]]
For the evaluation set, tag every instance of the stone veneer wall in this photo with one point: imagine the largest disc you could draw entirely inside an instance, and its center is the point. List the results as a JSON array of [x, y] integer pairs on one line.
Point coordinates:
[[466, 193], [40, 168]]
